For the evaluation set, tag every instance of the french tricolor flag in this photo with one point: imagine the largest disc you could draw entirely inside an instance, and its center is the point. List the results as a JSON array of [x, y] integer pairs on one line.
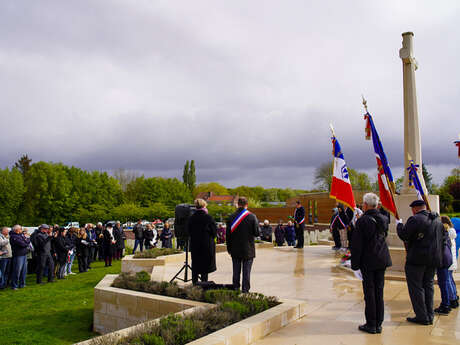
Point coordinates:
[[341, 187]]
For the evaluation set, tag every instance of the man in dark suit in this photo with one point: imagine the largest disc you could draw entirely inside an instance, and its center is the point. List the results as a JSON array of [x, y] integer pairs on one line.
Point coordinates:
[[242, 227], [370, 256], [299, 219], [424, 235]]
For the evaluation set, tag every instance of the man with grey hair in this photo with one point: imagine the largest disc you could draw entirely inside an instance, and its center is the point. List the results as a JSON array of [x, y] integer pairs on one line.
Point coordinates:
[[370, 256], [19, 247], [5, 257]]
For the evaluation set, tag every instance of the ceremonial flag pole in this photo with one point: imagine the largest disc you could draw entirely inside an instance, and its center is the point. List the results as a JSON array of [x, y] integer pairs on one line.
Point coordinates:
[[341, 186], [414, 182], [387, 188]]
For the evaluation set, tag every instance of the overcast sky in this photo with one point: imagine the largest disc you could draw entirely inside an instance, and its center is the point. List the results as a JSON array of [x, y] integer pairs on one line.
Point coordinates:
[[246, 88]]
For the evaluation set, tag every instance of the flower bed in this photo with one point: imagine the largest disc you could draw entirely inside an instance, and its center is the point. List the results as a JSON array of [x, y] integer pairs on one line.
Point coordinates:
[[127, 316], [156, 252], [231, 307]]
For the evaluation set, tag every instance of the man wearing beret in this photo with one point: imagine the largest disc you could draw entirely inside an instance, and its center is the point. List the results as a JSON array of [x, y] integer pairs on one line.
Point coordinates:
[[423, 234]]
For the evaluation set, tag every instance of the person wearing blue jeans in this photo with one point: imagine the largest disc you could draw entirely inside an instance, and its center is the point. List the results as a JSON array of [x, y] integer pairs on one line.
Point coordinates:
[[445, 287], [19, 247], [138, 231], [5, 258]]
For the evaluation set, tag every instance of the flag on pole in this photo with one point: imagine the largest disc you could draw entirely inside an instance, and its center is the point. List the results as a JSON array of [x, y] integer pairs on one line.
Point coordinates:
[[341, 187], [385, 177], [414, 180]]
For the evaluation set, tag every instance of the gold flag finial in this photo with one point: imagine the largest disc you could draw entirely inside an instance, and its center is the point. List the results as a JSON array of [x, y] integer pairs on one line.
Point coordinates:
[[364, 103], [332, 130]]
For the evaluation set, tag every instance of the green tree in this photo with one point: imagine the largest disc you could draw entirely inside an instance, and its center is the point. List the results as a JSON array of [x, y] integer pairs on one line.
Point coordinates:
[[48, 193], [192, 176], [323, 176], [214, 187], [186, 174], [23, 164], [12, 187], [428, 179]]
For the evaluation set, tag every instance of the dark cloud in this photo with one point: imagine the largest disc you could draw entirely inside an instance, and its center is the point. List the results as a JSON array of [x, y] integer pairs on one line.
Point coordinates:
[[246, 90]]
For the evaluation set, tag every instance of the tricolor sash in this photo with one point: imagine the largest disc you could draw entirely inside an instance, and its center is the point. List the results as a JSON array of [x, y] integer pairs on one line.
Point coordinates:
[[303, 219], [239, 219]]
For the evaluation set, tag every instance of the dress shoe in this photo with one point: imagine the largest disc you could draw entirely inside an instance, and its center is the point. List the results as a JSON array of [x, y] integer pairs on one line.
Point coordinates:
[[454, 304], [419, 322], [367, 329], [378, 329], [442, 310]]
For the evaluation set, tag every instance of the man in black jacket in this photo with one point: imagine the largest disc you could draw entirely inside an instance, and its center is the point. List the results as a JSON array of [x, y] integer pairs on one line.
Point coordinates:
[[138, 231], [370, 255], [43, 252], [299, 219], [242, 227], [424, 236]]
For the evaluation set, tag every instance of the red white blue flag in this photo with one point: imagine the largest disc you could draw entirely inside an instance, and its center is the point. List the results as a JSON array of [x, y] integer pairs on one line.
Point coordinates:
[[385, 177], [341, 186], [457, 143]]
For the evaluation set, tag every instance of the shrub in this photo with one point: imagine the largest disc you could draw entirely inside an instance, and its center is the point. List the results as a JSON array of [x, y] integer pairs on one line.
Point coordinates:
[[238, 307], [216, 296], [152, 339], [156, 252], [142, 276]]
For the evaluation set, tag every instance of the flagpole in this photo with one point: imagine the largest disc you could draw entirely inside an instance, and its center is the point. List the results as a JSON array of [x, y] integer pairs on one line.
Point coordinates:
[[390, 184]]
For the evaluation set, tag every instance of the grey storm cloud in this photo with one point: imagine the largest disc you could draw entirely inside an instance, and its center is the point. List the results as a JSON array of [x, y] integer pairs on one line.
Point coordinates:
[[247, 89]]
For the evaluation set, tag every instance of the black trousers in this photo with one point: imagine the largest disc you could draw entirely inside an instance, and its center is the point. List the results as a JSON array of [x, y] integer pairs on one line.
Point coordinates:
[[42, 261], [336, 237], [83, 263], [195, 274], [373, 282], [299, 232], [245, 265], [420, 281]]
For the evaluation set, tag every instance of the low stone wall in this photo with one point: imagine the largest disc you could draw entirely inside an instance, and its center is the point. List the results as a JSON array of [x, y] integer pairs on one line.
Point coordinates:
[[115, 308], [130, 264], [220, 248], [122, 312]]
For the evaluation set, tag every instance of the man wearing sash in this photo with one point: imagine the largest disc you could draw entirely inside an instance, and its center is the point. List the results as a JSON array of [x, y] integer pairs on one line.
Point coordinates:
[[299, 218], [242, 227]]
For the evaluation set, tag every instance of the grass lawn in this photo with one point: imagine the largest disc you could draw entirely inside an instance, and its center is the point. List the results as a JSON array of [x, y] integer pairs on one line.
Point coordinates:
[[54, 313]]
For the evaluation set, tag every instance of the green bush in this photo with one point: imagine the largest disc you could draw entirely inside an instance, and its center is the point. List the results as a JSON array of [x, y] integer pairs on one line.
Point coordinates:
[[156, 252], [216, 296], [152, 339], [142, 276], [241, 309]]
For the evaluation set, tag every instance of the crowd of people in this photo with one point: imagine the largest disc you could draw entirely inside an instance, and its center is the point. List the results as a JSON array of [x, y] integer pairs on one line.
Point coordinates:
[[51, 250], [146, 236], [431, 249]]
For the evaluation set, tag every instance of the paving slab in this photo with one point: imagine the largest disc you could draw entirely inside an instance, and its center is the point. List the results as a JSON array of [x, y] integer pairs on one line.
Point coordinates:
[[334, 300]]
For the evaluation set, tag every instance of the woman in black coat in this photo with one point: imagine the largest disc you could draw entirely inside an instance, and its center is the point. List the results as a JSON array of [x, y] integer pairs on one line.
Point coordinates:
[[108, 244], [62, 249], [203, 230], [83, 251]]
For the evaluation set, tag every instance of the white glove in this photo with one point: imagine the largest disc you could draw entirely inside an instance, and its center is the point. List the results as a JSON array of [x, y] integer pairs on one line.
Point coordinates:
[[399, 221], [358, 274]]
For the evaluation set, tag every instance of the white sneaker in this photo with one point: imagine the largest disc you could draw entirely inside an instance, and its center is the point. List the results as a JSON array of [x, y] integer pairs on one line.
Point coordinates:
[[72, 273]]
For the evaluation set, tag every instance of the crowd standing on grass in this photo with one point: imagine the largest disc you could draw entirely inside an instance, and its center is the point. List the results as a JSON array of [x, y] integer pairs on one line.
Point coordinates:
[[51, 250]]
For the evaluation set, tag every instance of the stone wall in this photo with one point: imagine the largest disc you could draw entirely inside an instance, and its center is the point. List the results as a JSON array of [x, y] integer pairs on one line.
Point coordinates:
[[116, 308]]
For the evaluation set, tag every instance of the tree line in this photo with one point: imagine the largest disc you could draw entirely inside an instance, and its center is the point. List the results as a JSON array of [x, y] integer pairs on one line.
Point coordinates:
[[46, 192]]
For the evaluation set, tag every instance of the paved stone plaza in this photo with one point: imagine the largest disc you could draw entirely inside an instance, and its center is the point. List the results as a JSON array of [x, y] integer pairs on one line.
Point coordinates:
[[335, 300]]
